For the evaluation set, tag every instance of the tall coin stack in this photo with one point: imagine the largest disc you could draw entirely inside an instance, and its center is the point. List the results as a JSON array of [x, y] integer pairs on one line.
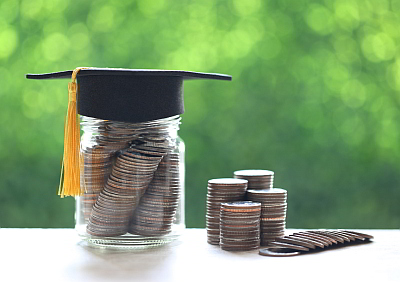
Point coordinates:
[[125, 186], [219, 191], [157, 208], [240, 226], [97, 160], [273, 212], [97, 168]]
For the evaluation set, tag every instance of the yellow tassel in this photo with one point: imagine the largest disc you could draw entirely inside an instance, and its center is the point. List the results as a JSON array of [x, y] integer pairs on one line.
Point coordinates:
[[70, 169]]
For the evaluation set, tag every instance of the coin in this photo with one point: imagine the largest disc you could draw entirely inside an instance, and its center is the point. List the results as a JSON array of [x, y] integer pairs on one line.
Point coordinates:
[[287, 245], [296, 241], [315, 241], [278, 252], [357, 235]]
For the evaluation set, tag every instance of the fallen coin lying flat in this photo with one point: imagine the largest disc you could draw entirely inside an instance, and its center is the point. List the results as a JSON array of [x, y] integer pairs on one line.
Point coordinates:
[[306, 241]]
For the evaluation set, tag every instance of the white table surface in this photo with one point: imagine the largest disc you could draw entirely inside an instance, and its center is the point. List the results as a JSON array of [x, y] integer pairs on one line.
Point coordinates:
[[58, 255]]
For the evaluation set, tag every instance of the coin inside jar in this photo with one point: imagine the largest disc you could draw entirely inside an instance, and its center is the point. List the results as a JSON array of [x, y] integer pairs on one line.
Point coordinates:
[[131, 159]]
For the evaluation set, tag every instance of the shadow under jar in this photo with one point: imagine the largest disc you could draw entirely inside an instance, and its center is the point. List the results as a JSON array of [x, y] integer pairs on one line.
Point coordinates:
[[132, 175]]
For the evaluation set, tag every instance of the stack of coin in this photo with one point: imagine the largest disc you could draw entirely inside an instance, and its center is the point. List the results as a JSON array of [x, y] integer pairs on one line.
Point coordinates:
[[221, 190], [240, 226], [273, 212], [157, 208], [94, 175], [257, 178], [106, 139], [130, 176]]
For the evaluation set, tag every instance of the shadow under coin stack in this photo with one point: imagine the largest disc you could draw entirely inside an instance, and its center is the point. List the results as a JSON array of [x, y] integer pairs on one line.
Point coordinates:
[[219, 191], [240, 226], [257, 178], [157, 209], [273, 212]]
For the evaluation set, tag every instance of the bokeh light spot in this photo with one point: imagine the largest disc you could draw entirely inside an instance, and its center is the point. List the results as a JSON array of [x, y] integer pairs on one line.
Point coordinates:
[[55, 46], [59, 24], [9, 41], [347, 14], [247, 7], [31, 8], [270, 47], [379, 7], [56, 6], [237, 43], [335, 75], [150, 8], [9, 10], [31, 106], [79, 36], [353, 94], [102, 19], [320, 19], [378, 47], [393, 75], [254, 28], [5, 76], [284, 23], [80, 41], [395, 5], [346, 49]]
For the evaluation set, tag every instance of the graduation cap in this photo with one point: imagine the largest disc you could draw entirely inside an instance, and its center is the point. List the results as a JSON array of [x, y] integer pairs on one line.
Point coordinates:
[[127, 95]]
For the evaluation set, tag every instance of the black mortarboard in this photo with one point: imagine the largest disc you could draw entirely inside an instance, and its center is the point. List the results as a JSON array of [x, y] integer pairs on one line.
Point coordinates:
[[130, 95], [120, 95]]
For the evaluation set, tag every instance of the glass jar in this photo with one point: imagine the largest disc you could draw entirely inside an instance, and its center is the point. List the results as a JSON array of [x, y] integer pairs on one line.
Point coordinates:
[[132, 175]]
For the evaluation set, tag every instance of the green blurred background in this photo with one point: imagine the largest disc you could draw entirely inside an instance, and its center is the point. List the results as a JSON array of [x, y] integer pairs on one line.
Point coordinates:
[[315, 97]]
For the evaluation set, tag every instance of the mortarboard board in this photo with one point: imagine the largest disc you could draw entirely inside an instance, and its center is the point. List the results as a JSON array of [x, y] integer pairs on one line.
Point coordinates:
[[130, 95]]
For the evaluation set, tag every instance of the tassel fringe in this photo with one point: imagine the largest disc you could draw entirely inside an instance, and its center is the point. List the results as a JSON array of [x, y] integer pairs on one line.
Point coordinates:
[[70, 168]]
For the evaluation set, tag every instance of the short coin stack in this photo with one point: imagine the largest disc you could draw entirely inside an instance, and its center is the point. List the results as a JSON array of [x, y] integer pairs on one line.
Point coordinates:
[[221, 190], [273, 212], [157, 208], [240, 226], [257, 178]]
